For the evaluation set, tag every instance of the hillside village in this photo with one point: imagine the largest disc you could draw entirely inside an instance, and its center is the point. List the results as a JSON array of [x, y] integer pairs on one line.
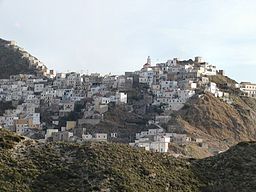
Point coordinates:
[[61, 107]]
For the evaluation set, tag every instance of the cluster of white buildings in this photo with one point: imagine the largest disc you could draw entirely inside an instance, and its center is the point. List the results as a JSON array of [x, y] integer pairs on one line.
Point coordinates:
[[175, 81], [27, 95], [157, 140], [77, 135], [171, 84], [24, 104]]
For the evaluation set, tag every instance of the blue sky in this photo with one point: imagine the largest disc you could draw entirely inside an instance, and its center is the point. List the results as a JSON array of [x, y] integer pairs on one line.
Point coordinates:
[[118, 35]]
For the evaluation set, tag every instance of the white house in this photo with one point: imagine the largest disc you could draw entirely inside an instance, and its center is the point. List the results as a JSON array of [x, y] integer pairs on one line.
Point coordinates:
[[36, 118], [101, 136], [248, 88], [160, 144], [38, 88], [68, 106], [49, 133], [121, 97], [212, 88], [22, 130]]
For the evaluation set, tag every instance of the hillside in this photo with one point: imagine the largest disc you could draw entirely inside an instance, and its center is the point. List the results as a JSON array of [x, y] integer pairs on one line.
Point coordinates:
[[29, 166], [15, 60], [233, 170], [125, 124], [215, 120], [89, 167]]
